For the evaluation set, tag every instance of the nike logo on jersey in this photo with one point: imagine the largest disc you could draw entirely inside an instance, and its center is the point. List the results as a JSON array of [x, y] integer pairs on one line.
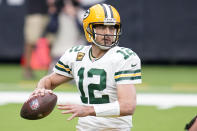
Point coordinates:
[[133, 65]]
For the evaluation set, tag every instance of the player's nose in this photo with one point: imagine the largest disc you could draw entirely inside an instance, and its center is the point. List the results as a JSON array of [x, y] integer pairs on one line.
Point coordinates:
[[107, 30]]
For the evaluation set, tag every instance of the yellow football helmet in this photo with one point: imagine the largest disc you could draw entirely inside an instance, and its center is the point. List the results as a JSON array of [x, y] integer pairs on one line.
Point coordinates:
[[101, 14]]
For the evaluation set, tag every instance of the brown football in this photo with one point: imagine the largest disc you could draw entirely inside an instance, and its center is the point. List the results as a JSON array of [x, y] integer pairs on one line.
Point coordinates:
[[38, 107]]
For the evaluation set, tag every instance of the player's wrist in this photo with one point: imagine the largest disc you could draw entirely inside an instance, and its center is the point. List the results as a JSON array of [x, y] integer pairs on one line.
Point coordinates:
[[91, 111], [106, 110]]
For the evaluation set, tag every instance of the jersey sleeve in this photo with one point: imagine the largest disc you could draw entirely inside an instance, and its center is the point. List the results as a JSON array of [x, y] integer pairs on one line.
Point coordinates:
[[64, 66], [128, 71]]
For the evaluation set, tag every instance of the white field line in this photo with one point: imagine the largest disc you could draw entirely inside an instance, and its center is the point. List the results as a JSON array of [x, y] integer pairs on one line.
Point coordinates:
[[162, 101]]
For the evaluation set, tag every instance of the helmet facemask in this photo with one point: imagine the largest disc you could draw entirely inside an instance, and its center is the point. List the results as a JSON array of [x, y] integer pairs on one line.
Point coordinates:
[[92, 34]]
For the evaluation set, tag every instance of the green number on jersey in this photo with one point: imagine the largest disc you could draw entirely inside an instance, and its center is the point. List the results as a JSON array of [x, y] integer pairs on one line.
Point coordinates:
[[92, 87], [126, 52], [76, 48], [81, 77]]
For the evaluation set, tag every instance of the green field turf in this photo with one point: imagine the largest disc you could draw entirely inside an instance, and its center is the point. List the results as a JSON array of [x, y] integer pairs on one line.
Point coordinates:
[[10, 120], [156, 79], [165, 79], [146, 118]]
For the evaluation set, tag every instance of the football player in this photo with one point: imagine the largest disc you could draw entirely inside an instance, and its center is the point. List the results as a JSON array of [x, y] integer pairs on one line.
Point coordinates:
[[105, 75]]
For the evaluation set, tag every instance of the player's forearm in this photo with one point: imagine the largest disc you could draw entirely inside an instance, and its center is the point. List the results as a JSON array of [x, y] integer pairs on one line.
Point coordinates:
[[46, 83], [52, 81], [127, 108], [126, 99]]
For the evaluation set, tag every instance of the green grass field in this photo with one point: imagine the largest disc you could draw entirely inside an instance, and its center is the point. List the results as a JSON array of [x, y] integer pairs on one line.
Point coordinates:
[[165, 79], [146, 118], [156, 79]]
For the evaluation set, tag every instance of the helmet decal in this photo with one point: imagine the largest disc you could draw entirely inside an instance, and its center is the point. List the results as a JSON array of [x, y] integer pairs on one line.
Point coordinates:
[[109, 21], [86, 14]]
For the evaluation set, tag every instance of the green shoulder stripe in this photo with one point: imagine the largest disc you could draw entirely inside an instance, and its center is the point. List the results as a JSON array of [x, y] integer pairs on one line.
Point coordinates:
[[127, 75], [65, 68]]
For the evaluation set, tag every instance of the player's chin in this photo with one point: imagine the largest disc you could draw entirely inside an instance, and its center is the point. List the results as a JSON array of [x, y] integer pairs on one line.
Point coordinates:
[[107, 43]]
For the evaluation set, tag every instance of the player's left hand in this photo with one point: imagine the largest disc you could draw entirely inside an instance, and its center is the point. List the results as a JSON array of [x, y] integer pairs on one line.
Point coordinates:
[[76, 110]]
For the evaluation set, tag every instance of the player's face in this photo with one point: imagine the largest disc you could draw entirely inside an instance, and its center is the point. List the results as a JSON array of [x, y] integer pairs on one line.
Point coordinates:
[[105, 31]]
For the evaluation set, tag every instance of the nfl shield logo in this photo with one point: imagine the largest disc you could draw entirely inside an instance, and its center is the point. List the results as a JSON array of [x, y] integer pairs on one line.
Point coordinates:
[[34, 104]]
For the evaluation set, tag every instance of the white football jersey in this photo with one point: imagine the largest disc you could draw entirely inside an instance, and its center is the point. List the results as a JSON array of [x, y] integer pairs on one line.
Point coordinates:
[[97, 80]]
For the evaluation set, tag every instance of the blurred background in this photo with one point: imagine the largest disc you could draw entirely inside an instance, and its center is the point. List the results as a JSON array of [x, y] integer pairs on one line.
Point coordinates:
[[159, 31], [162, 32]]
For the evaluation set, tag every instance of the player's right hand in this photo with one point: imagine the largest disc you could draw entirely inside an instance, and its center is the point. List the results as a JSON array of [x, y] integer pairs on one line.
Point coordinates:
[[41, 92]]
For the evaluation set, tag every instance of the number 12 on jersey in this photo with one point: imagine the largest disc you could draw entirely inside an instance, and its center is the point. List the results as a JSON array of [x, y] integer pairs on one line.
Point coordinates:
[[92, 87]]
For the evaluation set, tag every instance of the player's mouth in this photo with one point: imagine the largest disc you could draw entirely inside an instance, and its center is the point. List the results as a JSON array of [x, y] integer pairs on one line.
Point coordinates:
[[107, 41]]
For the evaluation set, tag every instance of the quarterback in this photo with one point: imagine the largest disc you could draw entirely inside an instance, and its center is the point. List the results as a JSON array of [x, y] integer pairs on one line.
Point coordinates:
[[105, 75]]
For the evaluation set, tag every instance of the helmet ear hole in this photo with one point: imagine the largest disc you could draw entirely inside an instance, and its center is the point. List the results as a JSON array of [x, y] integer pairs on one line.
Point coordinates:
[[88, 30], [91, 31]]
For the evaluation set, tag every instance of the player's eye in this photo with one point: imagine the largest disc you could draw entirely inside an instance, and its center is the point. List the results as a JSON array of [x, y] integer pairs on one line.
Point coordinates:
[[112, 27], [99, 26]]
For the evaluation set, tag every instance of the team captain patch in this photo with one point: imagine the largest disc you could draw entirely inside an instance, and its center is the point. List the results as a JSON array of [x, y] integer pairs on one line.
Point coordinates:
[[80, 56]]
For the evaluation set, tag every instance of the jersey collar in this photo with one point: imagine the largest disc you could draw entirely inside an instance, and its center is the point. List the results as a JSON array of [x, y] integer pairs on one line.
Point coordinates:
[[92, 58]]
